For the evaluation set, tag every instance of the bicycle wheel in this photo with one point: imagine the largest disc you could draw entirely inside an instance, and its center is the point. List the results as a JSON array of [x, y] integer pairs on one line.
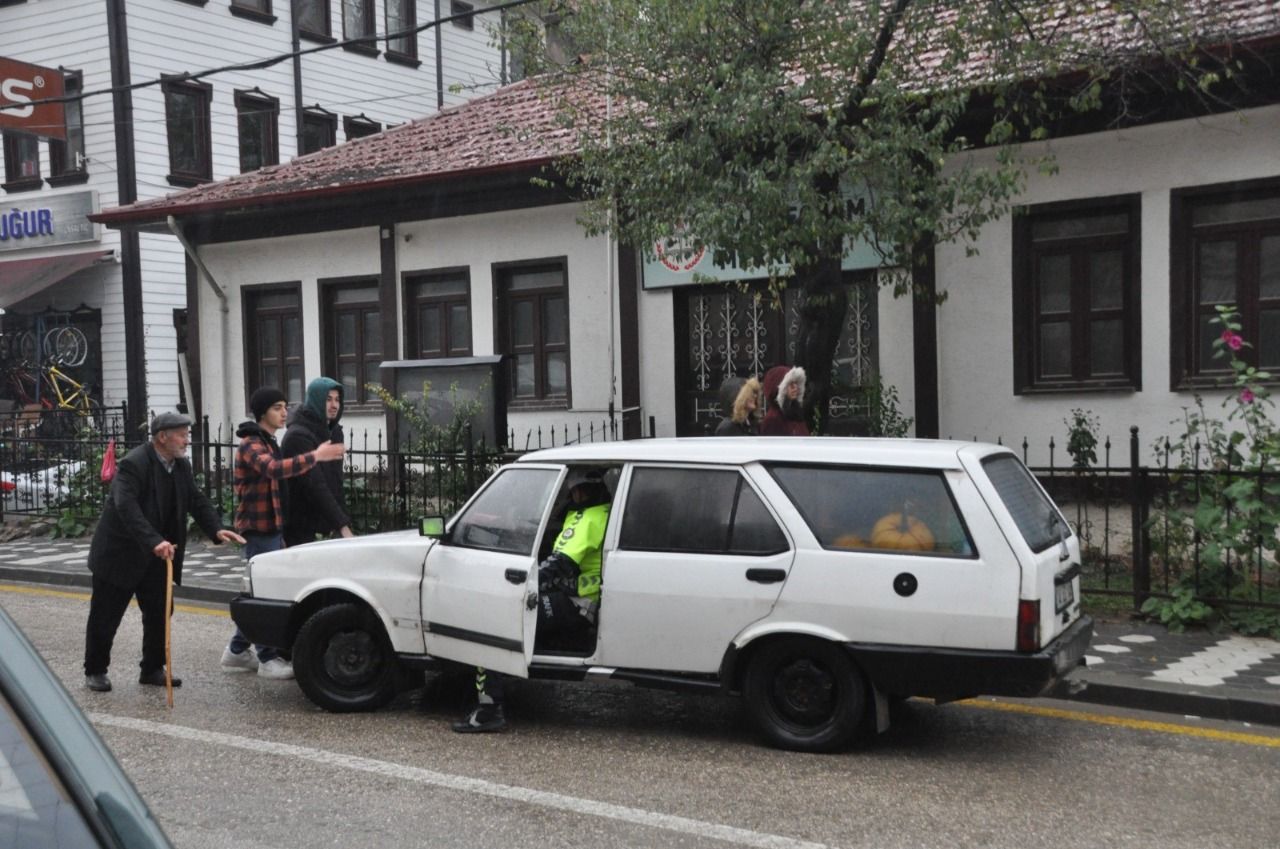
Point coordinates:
[[27, 346], [66, 346]]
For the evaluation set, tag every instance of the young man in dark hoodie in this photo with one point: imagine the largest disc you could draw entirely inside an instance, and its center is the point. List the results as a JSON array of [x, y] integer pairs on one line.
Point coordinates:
[[260, 507], [317, 505]]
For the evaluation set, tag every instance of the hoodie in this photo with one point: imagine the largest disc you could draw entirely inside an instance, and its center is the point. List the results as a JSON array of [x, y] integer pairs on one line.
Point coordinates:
[[738, 420], [783, 416], [316, 501]]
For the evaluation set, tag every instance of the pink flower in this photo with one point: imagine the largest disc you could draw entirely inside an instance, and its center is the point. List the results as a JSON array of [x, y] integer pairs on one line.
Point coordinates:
[[1246, 395], [1234, 342]]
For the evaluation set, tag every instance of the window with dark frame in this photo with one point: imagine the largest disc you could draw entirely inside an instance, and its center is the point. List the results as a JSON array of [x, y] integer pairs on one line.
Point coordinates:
[[358, 19], [359, 126], [273, 340], [313, 18], [439, 315], [319, 129], [260, 7], [1225, 250], [353, 337], [1076, 296], [186, 108], [21, 162], [402, 15], [457, 7], [258, 123], [67, 161], [535, 331]]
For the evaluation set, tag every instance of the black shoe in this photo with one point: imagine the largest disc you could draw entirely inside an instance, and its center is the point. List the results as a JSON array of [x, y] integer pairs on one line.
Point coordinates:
[[485, 718], [156, 678], [99, 683]]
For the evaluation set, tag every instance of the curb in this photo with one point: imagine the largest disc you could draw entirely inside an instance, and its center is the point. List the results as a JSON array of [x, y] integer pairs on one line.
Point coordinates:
[[68, 579], [1226, 703]]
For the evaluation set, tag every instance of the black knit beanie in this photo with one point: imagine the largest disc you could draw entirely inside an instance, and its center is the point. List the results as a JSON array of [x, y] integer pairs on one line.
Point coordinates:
[[264, 399]]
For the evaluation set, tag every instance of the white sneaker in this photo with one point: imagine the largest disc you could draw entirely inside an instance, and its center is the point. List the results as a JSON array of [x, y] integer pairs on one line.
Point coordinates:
[[276, 667], [246, 660]]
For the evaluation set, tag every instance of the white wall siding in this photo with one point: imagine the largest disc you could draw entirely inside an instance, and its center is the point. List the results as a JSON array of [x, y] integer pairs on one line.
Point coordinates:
[[975, 326]]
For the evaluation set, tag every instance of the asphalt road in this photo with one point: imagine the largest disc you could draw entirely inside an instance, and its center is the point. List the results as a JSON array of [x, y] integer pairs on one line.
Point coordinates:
[[241, 762]]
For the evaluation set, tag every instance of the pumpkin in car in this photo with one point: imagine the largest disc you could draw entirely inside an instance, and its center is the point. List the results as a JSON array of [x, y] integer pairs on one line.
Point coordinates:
[[849, 541], [902, 532]]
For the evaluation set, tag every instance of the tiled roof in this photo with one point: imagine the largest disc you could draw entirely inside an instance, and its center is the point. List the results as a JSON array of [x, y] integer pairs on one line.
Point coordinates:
[[514, 127], [519, 126]]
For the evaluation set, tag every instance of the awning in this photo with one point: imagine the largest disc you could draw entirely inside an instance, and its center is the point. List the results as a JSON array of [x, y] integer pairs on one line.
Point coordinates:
[[22, 278]]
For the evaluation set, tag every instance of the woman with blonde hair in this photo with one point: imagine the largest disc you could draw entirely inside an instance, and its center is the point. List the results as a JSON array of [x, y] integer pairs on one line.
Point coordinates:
[[744, 413]]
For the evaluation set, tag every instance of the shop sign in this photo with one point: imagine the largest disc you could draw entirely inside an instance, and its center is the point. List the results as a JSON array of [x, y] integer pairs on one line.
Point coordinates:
[[675, 262], [23, 87], [46, 220]]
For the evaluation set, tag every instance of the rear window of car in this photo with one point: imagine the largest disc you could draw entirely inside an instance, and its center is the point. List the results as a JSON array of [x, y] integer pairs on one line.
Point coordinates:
[[906, 511], [1039, 522], [703, 511]]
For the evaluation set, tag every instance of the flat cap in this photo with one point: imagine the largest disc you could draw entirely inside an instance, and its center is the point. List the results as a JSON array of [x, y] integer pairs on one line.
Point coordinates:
[[168, 421]]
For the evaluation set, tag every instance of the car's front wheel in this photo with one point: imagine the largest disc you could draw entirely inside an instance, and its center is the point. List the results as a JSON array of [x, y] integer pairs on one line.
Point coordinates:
[[805, 694], [343, 660]]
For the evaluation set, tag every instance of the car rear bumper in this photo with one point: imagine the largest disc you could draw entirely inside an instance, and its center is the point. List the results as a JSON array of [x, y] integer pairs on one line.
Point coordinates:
[[958, 673], [264, 622]]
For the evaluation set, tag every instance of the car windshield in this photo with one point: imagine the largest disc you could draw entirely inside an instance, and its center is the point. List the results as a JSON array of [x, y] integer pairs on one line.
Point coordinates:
[[507, 514]]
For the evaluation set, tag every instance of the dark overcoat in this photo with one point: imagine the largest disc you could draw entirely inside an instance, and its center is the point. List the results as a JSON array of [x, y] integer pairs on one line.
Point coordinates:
[[121, 551]]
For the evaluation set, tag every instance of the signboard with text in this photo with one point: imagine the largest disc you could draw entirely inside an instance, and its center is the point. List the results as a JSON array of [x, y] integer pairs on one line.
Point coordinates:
[[23, 88], [40, 221]]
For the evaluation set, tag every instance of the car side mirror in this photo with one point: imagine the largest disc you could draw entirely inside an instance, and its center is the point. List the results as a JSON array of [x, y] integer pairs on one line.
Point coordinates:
[[432, 526]]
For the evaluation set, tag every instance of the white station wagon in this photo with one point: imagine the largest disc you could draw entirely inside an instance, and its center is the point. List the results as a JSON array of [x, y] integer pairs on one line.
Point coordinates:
[[817, 577]]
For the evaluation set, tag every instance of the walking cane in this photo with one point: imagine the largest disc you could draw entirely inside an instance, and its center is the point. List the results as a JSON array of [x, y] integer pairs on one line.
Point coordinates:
[[168, 630]]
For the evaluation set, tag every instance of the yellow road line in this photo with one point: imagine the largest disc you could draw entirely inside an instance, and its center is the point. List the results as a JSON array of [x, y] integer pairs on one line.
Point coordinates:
[[83, 596], [1127, 722]]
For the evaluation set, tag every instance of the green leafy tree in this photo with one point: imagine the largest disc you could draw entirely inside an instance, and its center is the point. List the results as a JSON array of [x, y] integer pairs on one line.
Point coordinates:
[[774, 133]]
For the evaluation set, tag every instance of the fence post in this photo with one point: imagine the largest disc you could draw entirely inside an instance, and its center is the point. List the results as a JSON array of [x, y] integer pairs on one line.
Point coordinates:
[[1138, 512], [471, 462]]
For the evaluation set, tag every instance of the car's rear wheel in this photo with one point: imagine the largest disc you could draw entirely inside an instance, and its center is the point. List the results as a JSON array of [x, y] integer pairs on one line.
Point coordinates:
[[805, 694], [343, 660]]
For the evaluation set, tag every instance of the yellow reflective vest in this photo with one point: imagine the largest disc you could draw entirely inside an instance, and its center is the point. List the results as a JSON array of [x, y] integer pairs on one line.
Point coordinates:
[[581, 540]]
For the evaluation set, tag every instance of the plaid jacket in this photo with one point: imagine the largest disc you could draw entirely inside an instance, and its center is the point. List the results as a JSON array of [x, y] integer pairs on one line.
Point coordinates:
[[258, 472]]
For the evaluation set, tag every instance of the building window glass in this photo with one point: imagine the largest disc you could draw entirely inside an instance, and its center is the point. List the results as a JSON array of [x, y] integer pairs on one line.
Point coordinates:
[[402, 16], [273, 340], [439, 322], [67, 158], [313, 17], [1075, 293], [186, 106], [359, 126], [319, 129], [258, 122], [456, 7], [21, 162], [1226, 251], [353, 337], [262, 7], [535, 314], [357, 18]]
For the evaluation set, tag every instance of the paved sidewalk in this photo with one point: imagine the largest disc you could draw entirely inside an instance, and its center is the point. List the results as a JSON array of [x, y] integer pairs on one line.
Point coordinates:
[[1130, 664]]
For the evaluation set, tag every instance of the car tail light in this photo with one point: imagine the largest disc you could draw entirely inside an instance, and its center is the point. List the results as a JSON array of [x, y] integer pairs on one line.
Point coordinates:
[[1028, 625]]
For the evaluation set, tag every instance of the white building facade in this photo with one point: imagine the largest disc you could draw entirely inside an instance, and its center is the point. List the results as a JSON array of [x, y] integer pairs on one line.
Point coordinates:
[[128, 291]]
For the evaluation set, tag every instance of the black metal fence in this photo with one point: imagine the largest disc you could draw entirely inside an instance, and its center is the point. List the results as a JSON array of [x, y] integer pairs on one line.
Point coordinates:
[[1137, 521]]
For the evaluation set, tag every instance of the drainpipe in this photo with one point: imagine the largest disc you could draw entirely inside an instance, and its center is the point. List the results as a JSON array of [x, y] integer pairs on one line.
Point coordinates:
[[296, 46], [224, 328]]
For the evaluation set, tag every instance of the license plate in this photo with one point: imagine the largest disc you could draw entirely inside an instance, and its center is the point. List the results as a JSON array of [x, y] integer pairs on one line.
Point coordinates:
[[1064, 595]]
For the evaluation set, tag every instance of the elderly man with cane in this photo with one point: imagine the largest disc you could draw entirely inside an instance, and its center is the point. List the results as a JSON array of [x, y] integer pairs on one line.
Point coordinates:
[[143, 525]]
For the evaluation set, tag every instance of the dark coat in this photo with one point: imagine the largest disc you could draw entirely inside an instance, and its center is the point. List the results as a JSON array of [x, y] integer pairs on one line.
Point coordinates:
[[130, 526], [316, 504]]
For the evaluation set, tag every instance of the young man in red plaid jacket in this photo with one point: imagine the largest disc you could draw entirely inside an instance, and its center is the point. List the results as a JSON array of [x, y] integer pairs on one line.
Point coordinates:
[[259, 510]]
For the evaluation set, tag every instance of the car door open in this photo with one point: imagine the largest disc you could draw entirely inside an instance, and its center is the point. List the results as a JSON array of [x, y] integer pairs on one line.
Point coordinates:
[[479, 588]]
